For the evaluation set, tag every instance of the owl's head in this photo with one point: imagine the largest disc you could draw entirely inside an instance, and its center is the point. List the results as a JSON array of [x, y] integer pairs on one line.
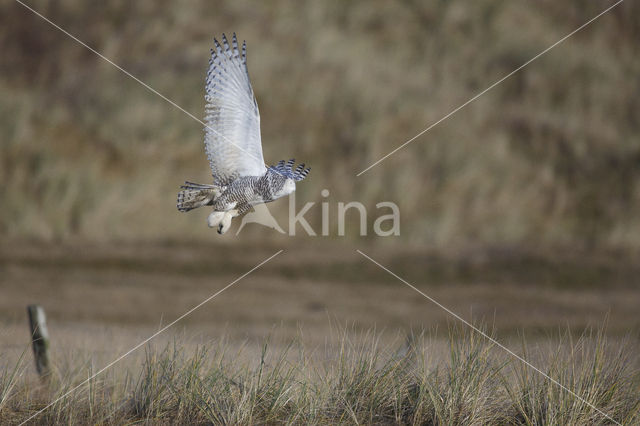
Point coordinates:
[[288, 187], [287, 176]]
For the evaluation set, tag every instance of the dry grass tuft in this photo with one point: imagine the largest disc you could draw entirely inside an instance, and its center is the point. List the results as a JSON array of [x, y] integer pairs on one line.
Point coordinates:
[[359, 382]]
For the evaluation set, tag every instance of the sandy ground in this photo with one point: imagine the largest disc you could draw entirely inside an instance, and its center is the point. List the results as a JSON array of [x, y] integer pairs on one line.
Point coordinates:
[[103, 299]]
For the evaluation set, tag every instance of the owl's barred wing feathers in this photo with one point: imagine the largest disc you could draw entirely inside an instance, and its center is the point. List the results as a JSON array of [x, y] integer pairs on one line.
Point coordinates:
[[232, 136]]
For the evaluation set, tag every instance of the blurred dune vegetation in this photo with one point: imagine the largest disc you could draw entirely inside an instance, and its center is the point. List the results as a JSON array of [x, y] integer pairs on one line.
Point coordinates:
[[551, 157]]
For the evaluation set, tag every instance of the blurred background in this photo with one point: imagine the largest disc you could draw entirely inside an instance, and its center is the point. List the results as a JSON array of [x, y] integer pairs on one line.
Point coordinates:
[[522, 209]]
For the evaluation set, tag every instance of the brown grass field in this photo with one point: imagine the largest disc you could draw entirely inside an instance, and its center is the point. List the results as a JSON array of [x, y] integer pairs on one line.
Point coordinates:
[[319, 309]]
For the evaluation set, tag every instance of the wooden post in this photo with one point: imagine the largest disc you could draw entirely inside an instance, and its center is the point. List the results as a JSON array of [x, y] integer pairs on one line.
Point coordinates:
[[40, 339]]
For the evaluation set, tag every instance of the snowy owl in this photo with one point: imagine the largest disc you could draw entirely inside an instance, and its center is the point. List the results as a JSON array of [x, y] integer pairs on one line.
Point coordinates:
[[233, 145]]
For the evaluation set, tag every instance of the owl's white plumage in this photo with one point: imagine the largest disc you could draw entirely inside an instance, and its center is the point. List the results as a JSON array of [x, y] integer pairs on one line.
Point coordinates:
[[232, 136], [233, 145]]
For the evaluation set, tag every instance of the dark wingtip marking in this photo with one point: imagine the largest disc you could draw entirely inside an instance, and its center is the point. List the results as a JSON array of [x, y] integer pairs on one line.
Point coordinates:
[[218, 46], [286, 170]]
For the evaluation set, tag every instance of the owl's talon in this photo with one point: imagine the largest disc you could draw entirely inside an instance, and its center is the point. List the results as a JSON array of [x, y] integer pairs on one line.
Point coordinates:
[[215, 218], [225, 224]]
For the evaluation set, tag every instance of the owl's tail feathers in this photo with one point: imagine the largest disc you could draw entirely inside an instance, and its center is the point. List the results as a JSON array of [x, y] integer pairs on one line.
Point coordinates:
[[194, 195]]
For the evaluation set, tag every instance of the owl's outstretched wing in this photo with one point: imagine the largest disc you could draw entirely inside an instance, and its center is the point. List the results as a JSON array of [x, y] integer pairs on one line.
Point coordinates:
[[232, 136]]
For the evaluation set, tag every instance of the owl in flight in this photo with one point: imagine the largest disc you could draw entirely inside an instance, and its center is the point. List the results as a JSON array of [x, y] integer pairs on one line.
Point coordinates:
[[233, 146]]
